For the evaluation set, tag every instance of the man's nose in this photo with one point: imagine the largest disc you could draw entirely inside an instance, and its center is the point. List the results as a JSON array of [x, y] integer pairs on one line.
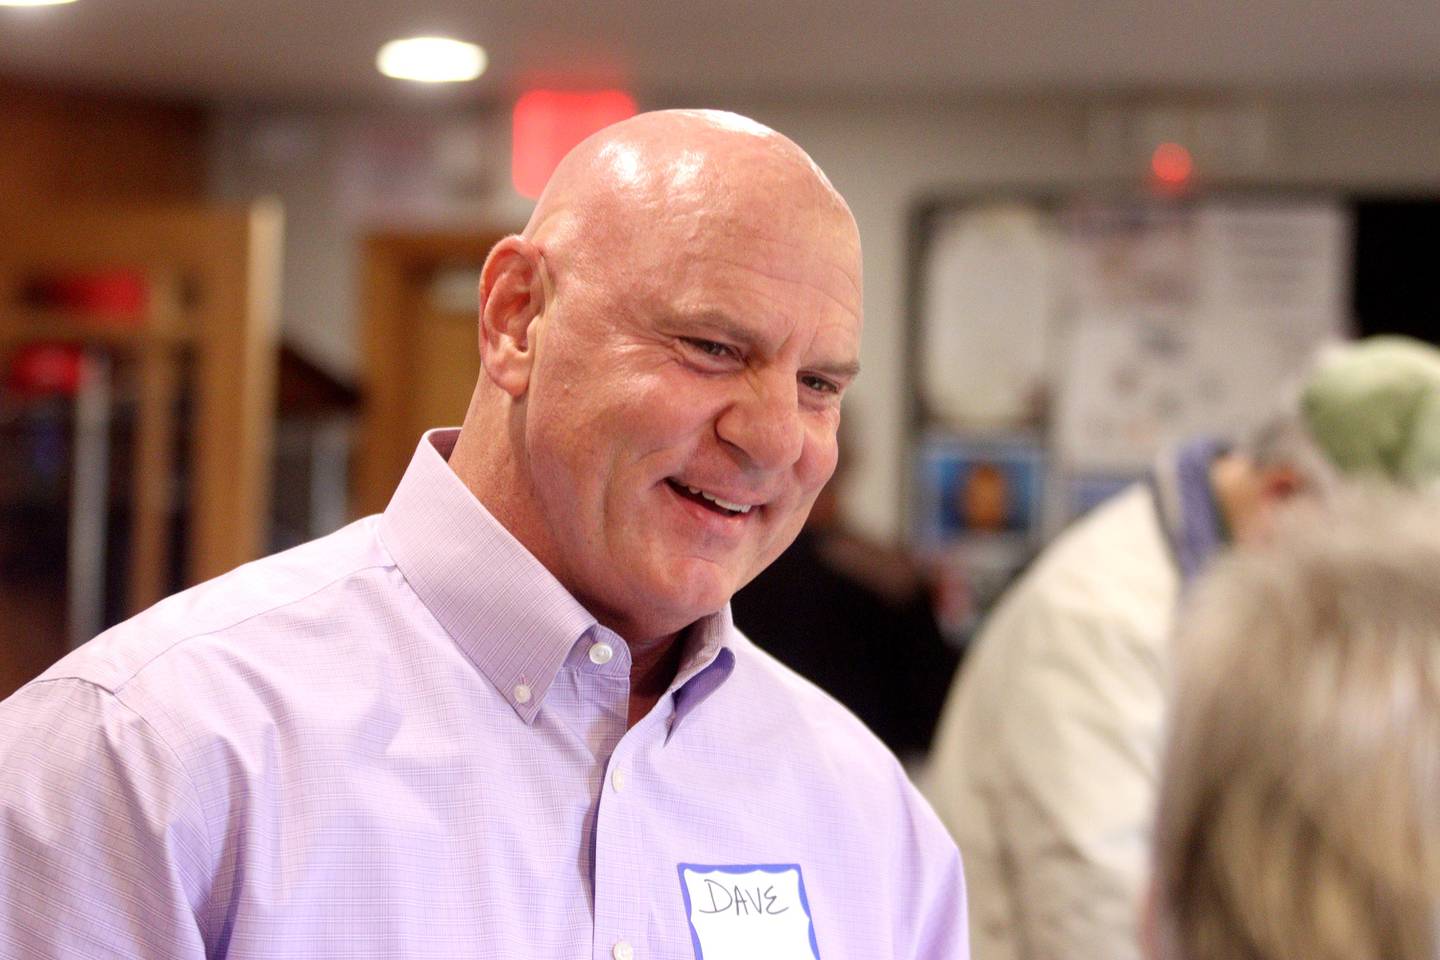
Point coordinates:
[[764, 422]]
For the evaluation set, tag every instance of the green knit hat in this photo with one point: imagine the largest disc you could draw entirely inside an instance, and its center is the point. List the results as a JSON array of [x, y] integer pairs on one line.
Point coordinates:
[[1374, 408]]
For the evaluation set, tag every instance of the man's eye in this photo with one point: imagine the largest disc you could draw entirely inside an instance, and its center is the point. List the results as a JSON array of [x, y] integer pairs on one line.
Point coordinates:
[[710, 348], [819, 384]]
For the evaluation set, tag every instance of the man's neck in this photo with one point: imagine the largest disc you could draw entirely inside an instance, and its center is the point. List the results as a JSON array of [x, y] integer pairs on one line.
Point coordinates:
[[653, 667], [1232, 479]]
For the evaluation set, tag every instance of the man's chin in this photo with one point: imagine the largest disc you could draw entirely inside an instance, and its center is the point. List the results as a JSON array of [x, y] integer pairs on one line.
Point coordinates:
[[676, 603]]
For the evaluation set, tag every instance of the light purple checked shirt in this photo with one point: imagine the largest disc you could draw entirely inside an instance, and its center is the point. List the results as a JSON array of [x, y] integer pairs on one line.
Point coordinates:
[[407, 740]]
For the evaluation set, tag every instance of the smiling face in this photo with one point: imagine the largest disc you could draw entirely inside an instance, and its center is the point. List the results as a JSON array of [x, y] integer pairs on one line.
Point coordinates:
[[681, 407]]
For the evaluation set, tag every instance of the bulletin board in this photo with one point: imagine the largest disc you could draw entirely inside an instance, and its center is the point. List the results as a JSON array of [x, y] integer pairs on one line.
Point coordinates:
[[1080, 335]]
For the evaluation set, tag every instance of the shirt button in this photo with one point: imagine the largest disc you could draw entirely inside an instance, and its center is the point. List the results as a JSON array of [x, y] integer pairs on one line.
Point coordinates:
[[521, 693], [623, 951], [600, 653], [617, 780]]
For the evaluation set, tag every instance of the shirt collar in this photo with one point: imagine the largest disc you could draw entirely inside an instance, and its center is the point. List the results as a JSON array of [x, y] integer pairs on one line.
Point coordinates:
[[708, 661], [501, 606], [1185, 498], [505, 611]]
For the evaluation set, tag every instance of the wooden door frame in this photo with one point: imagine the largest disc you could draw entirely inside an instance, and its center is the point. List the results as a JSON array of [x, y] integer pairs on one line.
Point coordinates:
[[393, 262]]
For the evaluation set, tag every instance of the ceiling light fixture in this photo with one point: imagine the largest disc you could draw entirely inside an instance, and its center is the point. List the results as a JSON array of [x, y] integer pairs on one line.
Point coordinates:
[[431, 60], [33, 3]]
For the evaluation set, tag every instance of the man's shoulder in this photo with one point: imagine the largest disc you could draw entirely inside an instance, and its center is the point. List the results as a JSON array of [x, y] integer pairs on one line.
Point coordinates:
[[1117, 529], [815, 746], [808, 719], [282, 590], [1102, 596], [1115, 559]]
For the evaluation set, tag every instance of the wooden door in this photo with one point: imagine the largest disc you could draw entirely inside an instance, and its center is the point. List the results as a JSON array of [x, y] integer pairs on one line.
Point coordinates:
[[421, 348]]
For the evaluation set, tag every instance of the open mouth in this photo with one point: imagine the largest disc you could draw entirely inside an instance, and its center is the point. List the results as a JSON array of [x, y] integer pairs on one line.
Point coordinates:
[[713, 503]]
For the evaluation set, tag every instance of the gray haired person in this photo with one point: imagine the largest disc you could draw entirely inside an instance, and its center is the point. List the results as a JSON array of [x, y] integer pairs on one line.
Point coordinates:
[[1299, 812]]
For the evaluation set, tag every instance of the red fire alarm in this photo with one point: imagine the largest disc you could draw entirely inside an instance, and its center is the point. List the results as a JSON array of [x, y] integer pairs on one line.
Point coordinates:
[[547, 123]]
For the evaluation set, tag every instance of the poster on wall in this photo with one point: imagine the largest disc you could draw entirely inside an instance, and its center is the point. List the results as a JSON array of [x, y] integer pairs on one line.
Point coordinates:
[[1189, 319], [978, 519], [987, 309], [990, 488]]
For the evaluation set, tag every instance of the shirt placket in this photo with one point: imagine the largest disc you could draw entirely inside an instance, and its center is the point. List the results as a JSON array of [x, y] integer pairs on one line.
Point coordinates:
[[621, 903]]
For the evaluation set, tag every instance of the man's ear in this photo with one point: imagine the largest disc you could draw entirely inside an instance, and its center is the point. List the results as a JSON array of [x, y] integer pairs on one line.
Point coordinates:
[[512, 297], [1280, 483], [1274, 489]]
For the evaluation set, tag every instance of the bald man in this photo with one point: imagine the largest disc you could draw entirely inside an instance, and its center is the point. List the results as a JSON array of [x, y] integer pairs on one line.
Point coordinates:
[[510, 717]]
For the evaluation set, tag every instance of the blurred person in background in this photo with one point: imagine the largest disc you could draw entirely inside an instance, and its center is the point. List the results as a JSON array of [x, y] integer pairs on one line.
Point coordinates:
[[1299, 809], [857, 619], [510, 717], [1045, 764]]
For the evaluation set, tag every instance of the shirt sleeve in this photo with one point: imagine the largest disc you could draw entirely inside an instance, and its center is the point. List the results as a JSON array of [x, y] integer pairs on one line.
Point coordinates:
[[937, 928], [102, 839], [943, 930], [1081, 739]]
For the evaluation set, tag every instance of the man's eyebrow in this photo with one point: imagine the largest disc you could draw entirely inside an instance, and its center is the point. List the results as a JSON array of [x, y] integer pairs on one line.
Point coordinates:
[[837, 371], [723, 325], [720, 323]]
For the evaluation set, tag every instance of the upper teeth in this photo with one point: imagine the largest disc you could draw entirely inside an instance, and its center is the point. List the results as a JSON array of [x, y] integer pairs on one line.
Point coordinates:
[[736, 507]]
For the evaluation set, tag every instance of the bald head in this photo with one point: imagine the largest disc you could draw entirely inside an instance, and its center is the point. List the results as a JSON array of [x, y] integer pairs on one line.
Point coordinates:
[[665, 172]]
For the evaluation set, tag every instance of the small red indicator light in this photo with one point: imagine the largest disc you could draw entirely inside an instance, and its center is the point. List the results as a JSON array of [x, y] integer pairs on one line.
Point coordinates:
[[547, 123], [1171, 164]]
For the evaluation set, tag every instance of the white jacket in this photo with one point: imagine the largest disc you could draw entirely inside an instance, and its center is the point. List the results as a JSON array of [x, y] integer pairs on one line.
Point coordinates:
[[1045, 762]]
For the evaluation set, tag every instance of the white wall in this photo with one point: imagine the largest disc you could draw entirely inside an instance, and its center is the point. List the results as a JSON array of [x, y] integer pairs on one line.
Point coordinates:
[[342, 173], [882, 157]]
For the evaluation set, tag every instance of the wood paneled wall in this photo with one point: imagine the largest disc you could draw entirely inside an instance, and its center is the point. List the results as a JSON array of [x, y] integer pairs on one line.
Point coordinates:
[[59, 145]]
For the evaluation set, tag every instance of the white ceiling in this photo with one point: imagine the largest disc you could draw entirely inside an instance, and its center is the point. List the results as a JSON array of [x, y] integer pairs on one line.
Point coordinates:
[[696, 49]]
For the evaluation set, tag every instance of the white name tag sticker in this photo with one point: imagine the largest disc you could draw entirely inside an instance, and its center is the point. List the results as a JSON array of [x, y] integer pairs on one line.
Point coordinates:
[[748, 912]]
